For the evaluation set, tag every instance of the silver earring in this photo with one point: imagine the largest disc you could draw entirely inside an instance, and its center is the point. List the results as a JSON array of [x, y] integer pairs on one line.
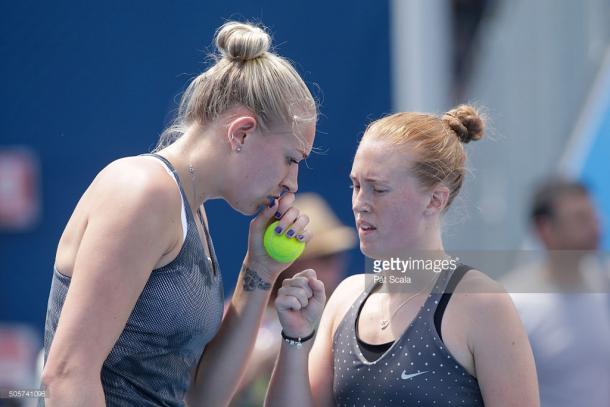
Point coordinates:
[[238, 149]]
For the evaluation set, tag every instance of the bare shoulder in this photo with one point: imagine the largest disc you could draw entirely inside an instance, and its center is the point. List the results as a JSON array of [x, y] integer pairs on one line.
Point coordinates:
[[477, 282], [349, 288], [479, 295], [149, 175], [497, 341], [337, 306], [135, 197], [129, 196], [136, 182], [479, 292], [344, 296]]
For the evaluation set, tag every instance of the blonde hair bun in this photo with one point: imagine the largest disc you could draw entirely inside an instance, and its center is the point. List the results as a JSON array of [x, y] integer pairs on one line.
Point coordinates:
[[466, 122], [244, 72], [242, 41]]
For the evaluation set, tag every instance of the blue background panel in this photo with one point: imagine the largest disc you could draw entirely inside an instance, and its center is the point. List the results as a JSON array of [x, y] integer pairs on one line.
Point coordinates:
[[86, 83]]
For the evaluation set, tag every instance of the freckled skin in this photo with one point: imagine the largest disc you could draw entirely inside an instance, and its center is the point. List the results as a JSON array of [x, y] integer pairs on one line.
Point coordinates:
[[394, 204]]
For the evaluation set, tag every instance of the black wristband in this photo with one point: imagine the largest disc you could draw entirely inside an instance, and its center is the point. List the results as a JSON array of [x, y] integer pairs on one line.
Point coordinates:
[[297, 341]]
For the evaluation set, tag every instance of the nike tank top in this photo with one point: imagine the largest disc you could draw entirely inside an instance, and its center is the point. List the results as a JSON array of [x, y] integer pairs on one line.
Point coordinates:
[[415, 370]]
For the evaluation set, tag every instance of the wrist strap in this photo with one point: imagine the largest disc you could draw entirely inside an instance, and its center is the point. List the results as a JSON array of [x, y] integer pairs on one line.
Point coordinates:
[[297, 341]]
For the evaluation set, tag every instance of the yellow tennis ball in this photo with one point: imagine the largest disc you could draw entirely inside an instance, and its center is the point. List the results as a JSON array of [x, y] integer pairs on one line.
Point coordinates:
[[281, 248]]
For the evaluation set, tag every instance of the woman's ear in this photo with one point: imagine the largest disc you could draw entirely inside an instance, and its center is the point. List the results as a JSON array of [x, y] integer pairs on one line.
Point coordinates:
[[238, 129], [437, 200]]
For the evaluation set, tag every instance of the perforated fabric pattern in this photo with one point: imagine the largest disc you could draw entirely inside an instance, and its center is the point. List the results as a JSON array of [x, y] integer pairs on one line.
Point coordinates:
[[178, 312], [417, 370]]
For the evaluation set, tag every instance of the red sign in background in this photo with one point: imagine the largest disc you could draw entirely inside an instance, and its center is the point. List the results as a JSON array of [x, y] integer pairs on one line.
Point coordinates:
[[19, 189]]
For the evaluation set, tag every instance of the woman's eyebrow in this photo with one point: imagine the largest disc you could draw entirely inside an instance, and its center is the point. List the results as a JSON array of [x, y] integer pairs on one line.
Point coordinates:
[[373, 179]]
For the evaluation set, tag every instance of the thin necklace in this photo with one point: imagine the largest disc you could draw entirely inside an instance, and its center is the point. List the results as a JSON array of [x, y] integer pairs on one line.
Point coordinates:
[[384, 323], [192, 173], [194, 192]]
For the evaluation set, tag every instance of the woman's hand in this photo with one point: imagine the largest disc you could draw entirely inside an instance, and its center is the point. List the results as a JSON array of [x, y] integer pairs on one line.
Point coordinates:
[[292, 223], [300, 302]]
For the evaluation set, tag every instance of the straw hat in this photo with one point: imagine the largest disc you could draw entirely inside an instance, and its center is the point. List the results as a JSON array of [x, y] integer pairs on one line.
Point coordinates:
[[330, 236]]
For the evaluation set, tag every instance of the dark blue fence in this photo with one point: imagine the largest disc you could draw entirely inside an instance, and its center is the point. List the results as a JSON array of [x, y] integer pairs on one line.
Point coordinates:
[[88, 82]]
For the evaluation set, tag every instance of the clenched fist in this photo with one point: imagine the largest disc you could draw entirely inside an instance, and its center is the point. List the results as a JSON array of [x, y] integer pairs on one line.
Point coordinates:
[[300, 302]]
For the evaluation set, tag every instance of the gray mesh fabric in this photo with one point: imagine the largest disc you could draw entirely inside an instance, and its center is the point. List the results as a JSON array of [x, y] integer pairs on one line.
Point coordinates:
[[417, 370], [178, 312]]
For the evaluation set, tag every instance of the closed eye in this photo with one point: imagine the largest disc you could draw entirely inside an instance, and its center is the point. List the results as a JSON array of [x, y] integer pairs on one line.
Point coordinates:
[[376, 190]]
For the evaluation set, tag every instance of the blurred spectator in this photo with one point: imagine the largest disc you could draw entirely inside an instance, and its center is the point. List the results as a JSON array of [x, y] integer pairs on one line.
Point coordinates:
[[326, 254], [563, 299]]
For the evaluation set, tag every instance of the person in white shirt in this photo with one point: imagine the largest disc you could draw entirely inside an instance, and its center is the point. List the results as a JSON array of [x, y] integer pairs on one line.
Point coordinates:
[[563, 300]]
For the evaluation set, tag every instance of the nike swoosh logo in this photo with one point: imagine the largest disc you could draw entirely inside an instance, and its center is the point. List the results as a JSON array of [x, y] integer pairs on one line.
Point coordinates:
[[405, 376]]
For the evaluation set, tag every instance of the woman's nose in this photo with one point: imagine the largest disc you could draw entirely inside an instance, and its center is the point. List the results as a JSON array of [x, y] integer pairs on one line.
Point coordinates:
[[291, 183], [359, 203]]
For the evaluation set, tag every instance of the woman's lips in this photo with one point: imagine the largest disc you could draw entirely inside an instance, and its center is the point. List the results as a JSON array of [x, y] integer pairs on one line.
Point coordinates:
[[365, 228]]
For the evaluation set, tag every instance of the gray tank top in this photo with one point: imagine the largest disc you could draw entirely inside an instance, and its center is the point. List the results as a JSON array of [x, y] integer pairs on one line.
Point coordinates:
[[417, 370], [178, 312]]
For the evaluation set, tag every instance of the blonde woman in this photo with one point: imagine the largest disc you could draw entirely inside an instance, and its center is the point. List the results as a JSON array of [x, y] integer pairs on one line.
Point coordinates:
[[135, 314], [387, 343]]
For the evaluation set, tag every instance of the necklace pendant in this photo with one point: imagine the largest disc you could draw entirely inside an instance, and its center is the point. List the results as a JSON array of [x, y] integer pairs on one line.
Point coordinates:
[[384, 323]]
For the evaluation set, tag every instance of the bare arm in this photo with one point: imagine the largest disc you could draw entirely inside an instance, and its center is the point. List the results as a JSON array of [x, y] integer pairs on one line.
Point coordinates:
[[503, 357], [299, 303], [221, 367], [302, 377], [289, 384], [321, 356], [124, 238]]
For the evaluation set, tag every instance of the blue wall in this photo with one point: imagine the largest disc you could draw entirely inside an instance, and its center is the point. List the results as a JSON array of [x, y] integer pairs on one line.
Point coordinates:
[[588, 155], [595, 172], [85, 84]]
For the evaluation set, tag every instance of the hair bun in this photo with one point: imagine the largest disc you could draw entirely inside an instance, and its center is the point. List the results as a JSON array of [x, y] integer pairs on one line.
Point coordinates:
[[242, 41], [466, 122]]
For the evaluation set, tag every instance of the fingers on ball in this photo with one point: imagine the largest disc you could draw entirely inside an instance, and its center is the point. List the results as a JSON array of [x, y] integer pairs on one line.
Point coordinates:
[[285, 203], [304, 236], [299, 225], [289, 217]]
